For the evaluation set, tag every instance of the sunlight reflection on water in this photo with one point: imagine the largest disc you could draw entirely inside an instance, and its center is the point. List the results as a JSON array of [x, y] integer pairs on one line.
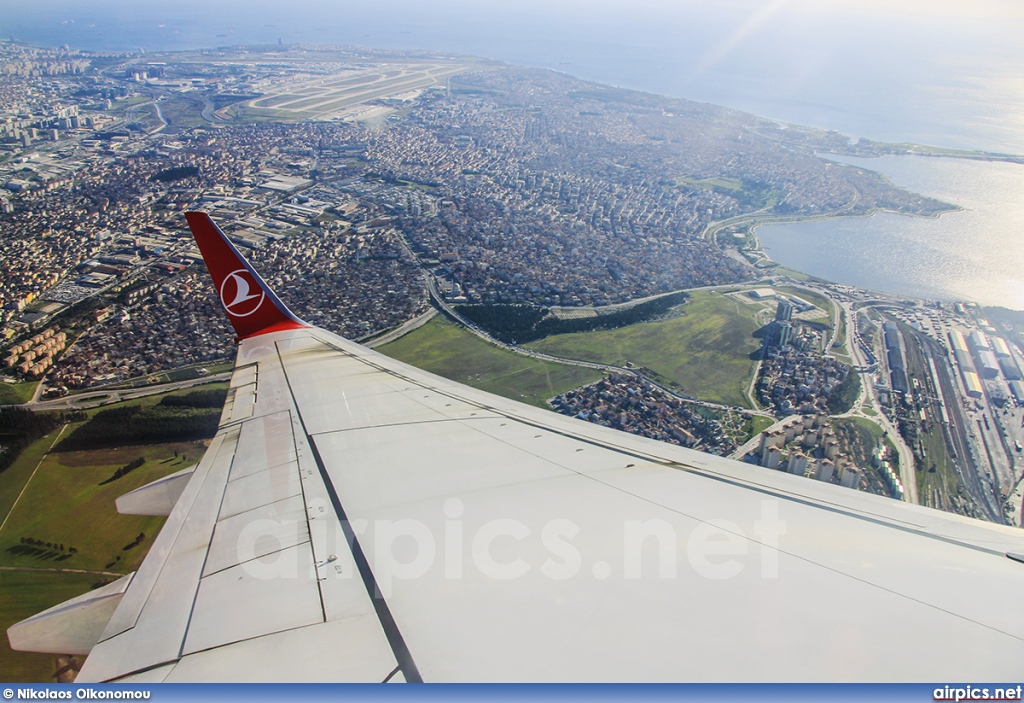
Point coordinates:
[[976, 253]]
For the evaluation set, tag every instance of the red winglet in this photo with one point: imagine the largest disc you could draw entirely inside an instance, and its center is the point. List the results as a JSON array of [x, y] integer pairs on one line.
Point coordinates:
[[251, 306]]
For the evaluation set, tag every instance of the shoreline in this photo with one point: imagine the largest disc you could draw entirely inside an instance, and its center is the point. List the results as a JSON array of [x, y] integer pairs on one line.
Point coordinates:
[[853, 238], [772, 263], [876, 150], [753, 223]]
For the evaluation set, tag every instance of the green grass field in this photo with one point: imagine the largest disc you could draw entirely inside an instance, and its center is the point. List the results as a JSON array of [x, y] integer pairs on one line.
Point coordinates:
[[876, 433], [759, 424], [733, 184], [17, 474], [706, 352], [64, 504], [753, 194], [791, 273], [444, 348], [181, 111], [839, 347], [17, 393], [23, 594]]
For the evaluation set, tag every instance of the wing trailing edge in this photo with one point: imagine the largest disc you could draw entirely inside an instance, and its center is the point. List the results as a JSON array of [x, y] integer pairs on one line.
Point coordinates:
[[251, 305]]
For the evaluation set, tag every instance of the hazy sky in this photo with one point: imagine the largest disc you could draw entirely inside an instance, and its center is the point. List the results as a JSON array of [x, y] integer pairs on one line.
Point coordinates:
[[927, 70]]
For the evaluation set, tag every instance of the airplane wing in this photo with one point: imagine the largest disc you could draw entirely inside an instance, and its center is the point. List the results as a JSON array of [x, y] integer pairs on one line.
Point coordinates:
[[358, 519]]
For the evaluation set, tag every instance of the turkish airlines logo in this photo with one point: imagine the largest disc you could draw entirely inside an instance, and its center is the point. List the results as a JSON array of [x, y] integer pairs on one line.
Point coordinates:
[[237, 293]]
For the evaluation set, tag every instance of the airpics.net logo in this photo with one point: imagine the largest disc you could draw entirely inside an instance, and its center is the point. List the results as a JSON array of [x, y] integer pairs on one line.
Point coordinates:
[[978, 693], [240, 293], [506, 549]]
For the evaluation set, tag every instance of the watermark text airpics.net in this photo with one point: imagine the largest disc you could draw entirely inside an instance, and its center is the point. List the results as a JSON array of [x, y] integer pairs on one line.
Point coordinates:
[[978, 693], [505, 549]]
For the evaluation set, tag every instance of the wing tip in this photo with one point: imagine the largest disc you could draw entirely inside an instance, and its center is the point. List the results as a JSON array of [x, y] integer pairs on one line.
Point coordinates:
[[252, 307]]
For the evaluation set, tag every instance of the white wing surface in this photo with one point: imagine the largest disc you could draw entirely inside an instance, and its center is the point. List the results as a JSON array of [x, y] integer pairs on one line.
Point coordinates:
[[357, 519]]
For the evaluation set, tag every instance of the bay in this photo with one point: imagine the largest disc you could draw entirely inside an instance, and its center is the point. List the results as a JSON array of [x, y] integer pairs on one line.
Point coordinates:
[[973, 254]]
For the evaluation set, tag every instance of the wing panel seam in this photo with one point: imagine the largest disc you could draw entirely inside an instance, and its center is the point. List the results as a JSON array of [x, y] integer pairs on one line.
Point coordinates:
[[387, 621]]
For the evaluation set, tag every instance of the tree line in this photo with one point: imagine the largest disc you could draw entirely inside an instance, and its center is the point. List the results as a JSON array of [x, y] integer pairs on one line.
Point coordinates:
[[126, 469], [520, 324], [845, 394], [141, 425], [206, 398], [20, 427], [41, 549]]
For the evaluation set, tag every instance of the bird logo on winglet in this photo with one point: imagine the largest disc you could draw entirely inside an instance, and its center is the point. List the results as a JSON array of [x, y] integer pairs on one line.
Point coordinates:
[[237, 296]]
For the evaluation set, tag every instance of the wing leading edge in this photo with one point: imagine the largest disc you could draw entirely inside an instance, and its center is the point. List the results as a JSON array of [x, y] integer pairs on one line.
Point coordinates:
[[357, 519]]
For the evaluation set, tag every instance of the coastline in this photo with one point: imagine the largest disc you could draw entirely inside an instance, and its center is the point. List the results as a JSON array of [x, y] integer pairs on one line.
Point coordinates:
[[753, 222], [969, 258], [764, 261], [869, 149]]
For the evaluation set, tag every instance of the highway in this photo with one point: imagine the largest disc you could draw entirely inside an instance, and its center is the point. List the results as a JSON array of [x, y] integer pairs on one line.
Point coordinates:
[[93, 399], [401, 330]]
